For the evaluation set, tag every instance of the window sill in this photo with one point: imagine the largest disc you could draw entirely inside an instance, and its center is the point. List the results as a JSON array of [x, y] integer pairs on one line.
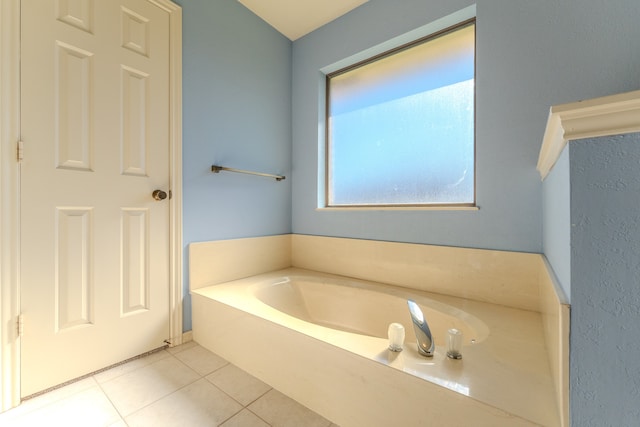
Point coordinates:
[[396, 208]]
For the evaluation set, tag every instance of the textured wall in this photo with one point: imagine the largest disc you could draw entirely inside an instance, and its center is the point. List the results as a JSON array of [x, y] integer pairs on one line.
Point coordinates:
[[605, 289], [237, 113], [530, 55], [556, 215]]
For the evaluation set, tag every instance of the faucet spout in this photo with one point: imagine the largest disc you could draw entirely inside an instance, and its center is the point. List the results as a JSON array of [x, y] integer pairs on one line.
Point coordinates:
[[426, 346]]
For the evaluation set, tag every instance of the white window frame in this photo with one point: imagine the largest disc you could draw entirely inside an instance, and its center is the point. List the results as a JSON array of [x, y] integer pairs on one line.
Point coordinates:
[[446, 24]]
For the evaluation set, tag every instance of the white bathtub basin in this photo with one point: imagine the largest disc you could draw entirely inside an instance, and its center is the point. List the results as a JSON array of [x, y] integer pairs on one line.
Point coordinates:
[[365, 309], [321, 339]]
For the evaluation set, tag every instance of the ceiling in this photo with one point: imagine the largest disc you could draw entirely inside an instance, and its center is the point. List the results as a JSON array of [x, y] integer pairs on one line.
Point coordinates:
[[295, 18]]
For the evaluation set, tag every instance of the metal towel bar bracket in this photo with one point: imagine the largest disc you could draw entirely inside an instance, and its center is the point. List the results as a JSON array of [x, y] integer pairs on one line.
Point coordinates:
[[217, 169]]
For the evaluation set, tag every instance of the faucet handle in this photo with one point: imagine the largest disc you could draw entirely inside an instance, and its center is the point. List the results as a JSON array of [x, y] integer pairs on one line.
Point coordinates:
[[396, 336], [454, 343]]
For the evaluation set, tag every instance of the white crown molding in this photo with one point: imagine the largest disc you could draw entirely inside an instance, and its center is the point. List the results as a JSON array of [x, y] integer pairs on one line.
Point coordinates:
[[609, 115]]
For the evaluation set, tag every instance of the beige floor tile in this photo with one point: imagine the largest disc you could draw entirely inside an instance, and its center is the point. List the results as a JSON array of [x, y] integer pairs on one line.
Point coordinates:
[[88, 408], [182, 347], [132, 365], [198, 404], [238, 384], [279, 410], [245, 418], [10, 415], [47, 399], [137, 389], [164, 389], [201, 360]]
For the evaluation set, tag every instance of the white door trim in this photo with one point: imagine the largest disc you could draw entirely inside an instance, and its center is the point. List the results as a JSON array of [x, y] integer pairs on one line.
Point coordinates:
[[175, 168], [9, 203], [10, 193]]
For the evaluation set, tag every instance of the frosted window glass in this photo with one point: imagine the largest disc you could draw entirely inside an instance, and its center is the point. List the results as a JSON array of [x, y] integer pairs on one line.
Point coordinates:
[[401, 129]]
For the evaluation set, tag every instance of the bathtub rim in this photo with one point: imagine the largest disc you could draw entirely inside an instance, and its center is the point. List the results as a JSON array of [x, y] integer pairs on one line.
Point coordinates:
[[424, 299], [454, 376]]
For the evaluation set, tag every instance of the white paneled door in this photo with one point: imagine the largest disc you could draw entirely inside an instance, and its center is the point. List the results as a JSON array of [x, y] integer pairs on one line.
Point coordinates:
[[94, 239]]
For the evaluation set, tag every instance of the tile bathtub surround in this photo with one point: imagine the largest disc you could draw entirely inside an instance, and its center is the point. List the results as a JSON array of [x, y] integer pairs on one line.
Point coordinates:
[[185, 385], [221, 261], [512, 279], [351, 378], [499, 277]]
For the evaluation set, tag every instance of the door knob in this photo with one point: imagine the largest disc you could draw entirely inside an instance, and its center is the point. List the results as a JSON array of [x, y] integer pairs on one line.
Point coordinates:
[[159, 195]]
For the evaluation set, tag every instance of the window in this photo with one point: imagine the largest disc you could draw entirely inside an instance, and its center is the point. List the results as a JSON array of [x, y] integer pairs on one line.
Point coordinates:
[[400, 126]]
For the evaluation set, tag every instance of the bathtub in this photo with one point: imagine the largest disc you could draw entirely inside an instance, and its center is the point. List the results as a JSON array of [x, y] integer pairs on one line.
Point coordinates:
[[361, 308], [322, 340]]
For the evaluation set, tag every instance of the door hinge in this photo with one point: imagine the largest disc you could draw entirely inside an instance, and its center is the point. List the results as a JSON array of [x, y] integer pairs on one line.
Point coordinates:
[[20, 150], [20, 325]]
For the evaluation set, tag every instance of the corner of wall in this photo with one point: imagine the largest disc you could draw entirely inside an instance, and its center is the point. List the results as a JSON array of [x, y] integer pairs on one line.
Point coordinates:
[[220, 261], [555, 313]]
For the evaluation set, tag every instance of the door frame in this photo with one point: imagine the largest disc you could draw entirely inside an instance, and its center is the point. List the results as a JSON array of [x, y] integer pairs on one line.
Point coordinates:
[[10, 191]]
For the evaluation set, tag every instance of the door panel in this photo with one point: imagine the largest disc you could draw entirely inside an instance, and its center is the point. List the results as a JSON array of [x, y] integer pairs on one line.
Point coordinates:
[[94, 243]]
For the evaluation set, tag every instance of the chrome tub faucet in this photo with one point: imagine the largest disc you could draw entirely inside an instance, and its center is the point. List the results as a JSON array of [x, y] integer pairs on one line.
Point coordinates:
[[426, 346]]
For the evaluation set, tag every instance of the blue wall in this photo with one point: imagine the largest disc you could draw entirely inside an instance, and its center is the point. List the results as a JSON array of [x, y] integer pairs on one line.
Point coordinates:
[[556, 215], [241, 80], [605, 270], [237, 113], [530, 55]]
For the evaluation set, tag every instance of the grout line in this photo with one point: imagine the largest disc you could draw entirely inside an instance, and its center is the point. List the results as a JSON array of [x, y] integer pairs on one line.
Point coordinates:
[[259, 417], [258, 398], [197, 373], [111, 402], [228, 418], [120, 374], [113, 405], [198, 377], [166, 395], [122, 417], [231, 397], [91, 374]]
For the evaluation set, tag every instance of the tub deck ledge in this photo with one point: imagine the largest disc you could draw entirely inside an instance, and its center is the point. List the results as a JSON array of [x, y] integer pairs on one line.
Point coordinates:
[[503, 379]]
